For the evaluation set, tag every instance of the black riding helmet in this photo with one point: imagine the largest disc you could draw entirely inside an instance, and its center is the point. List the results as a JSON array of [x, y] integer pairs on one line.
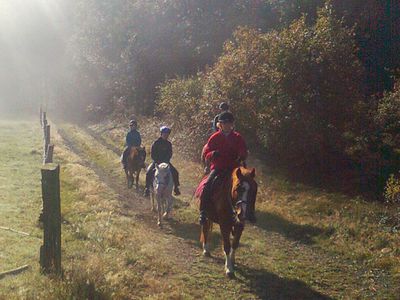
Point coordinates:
[[132, 123], [224, 106], [226, 117]]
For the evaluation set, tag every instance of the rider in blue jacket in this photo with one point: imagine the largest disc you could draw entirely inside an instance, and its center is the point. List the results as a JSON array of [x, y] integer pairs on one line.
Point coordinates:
[[133, 139]]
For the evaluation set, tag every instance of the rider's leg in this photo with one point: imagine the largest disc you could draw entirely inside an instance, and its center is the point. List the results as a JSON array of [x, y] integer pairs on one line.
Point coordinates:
[[206, 196], [149, 178], [125, 158], [175, 178], [143, 155]]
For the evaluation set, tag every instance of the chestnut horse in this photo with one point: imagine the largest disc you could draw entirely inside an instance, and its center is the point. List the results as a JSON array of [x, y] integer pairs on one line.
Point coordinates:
[[232, 203], [135, 162]]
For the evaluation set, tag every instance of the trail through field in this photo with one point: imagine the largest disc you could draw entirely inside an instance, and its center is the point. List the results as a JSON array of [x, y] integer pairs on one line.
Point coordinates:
[[272, 263]]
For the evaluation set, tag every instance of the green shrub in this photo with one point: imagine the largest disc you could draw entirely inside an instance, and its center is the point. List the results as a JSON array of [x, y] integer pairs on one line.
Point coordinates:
[[292, 91], [392, 190]]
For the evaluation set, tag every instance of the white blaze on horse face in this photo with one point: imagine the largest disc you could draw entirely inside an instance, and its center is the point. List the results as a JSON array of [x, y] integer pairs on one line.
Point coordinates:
[[243, 198]]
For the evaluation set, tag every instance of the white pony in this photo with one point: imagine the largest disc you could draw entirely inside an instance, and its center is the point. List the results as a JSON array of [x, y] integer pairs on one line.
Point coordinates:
[[162, 191]]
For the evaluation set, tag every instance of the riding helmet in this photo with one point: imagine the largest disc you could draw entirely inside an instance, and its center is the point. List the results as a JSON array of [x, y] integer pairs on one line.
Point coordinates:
[[224, 106], [165, 129], [132, 122], [226, 117]]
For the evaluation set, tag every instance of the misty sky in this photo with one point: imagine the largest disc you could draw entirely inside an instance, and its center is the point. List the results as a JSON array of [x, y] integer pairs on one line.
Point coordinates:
[[32, 39]]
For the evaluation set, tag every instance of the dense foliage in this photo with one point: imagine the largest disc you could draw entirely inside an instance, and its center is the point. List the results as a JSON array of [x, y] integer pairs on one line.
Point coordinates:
[[309, 81], [292, 91]]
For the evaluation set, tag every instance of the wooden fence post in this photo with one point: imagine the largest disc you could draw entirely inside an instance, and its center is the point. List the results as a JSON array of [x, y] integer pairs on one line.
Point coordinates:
[[41, 115], [49, 154], [44, 120], [46, 140], [50, 251]]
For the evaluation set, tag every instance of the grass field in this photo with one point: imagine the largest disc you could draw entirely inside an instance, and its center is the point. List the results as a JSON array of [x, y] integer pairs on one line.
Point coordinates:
[[20, 205], [307, 244]]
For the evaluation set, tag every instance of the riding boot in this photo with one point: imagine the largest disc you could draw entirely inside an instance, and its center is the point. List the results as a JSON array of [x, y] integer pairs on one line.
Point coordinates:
[[177, 192], [149, 179]]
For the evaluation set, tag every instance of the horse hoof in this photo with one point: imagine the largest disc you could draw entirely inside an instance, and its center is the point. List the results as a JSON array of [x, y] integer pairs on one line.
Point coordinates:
[[230, 275], [159, 224]]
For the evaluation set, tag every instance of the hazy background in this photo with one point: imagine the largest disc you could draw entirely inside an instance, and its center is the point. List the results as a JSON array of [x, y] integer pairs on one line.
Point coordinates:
[[33, 37]]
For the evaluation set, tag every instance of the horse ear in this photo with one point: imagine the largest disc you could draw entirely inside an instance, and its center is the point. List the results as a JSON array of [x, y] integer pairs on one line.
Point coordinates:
[[239, 173], [253, 173]]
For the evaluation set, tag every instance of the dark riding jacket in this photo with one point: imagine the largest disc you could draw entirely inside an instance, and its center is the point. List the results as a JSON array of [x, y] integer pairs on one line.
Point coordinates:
[[161, 151], [133, 138]]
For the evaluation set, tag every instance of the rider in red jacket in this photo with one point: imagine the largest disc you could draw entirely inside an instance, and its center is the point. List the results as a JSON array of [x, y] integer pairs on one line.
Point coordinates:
[[225, 150]]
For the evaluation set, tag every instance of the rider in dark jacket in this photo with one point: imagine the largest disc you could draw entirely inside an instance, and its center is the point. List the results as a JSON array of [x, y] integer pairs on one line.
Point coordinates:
[[133, 139], [161, 152]]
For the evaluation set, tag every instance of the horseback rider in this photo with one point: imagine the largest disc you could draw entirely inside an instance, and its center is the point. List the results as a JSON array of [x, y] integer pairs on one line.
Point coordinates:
[[225, 150], [224, 107], [133, 139], [161, 152]]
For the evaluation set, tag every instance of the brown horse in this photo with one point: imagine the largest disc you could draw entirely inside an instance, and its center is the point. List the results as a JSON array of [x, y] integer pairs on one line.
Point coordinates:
[[232, 202], [135, 162]]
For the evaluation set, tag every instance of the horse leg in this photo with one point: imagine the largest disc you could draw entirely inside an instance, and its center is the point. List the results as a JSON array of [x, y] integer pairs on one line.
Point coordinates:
[[205, 230], [226, 232], [237, 233], [159, 208], [127, 176], [168, 207], [152, 208], [137, 179]]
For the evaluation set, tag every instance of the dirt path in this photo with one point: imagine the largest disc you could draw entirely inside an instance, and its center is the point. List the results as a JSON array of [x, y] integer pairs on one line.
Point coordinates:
[[271, 263]]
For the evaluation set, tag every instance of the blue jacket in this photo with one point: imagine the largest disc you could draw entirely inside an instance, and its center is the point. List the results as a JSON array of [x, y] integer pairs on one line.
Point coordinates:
[[133, 138]]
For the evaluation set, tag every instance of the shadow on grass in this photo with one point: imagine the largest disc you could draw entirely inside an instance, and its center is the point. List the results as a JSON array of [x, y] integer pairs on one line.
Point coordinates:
[[191, 232], [300, 233], [270, 286]]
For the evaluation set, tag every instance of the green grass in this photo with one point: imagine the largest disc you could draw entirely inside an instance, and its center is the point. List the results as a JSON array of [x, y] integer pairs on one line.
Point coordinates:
[[20, 203], [303, 233], [307, 244]]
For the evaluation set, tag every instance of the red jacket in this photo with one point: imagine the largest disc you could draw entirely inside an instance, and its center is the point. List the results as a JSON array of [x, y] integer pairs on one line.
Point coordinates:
[[230, 148]]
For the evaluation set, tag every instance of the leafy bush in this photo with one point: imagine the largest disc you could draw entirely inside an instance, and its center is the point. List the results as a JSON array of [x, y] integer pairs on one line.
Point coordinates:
[[392, 190], [292, 91]]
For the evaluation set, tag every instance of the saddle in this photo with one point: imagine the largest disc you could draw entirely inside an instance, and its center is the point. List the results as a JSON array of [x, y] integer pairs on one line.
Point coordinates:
[[216, 181]]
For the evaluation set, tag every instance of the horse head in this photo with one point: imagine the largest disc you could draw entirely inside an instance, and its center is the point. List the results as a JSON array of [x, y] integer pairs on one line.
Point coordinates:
[[244, 192], [162, 175]]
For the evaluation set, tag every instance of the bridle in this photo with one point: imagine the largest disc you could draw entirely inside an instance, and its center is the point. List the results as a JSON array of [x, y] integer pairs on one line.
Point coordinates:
[[243, 192]]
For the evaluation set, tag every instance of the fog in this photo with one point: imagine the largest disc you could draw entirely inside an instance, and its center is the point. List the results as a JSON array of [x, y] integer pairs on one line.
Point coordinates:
[[33, 36]]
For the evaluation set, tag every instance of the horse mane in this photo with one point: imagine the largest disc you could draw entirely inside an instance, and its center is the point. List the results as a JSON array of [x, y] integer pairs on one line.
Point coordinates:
[[246, 173]]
